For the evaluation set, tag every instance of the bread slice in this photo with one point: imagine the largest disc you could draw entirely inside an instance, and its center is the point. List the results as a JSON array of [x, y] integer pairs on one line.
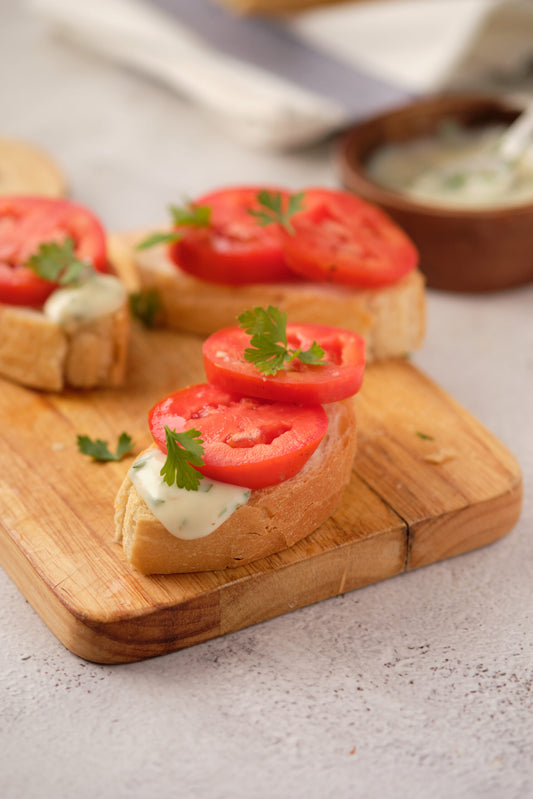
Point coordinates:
[[390, 319], [26, 169], [37, 352], [274, 518]]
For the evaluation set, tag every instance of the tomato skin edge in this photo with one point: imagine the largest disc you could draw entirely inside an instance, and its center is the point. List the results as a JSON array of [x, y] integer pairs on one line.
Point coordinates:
[[269, 389], [228, 270]]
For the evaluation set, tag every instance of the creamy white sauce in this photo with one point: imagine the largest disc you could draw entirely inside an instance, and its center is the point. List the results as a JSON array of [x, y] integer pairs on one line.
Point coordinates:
[[98, 296], [185, 514], [429, 169]]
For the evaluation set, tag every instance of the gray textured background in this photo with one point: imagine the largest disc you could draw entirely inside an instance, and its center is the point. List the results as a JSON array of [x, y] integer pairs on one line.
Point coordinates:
[[420, 686]]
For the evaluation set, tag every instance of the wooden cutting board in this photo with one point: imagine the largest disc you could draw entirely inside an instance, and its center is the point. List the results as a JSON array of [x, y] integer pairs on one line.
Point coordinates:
[[429, 482]]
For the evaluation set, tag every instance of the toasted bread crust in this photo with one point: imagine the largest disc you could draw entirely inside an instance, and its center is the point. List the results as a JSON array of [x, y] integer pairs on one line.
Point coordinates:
[[391, 319], [32, 349], [38, 353], [97, 351], [26, 169], [273, 519]]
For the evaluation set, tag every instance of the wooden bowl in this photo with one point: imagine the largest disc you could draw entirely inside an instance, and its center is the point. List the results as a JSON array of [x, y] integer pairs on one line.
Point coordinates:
[[468, 250]]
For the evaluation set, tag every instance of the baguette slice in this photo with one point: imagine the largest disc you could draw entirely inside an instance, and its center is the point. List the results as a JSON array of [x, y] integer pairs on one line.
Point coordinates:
[[26, 169], [274, 518], [36, 352], [390, 319]]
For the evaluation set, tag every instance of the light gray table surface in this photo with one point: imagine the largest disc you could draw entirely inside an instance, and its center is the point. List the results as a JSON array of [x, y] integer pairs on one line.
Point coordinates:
[[420, 686]]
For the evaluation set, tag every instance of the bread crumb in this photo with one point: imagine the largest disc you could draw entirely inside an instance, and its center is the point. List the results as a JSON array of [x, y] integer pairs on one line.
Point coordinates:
[[440, 456]]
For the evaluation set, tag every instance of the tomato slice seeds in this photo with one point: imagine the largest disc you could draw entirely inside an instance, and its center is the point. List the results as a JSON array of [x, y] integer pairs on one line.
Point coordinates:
[[247, 441], [339, 377]]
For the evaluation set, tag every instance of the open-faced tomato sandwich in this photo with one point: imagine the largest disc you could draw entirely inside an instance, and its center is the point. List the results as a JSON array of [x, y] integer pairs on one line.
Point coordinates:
[[64, 320], [252, 461], [321, 256]]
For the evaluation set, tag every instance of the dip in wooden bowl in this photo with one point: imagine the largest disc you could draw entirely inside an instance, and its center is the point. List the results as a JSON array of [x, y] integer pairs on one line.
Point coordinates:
[[473, 237]]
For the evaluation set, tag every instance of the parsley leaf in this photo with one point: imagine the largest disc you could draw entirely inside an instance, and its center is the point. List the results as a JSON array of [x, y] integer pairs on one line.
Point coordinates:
[[158, 238], [456, 180], [272, 203], [99, 451], [183, 454], [189, 215], [425, 436], [145, 305], [269, 350], [58, 263], [314, 355]]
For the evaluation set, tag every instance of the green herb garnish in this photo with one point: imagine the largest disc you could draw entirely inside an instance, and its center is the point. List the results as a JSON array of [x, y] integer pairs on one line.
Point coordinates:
[[456, 180], [58, 263], [191, 215], [425, 436], [145, 306], [273, 211], [158, 238], [188, 215], [184, 452], [269, 350], [99, 450]]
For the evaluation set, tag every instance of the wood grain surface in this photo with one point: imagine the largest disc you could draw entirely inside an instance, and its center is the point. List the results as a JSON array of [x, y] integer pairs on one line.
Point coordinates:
[[429, 482]]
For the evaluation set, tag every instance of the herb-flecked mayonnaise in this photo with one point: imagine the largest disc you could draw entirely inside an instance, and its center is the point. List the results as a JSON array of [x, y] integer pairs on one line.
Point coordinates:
[[447, 169], [185, 514], [98, 296]]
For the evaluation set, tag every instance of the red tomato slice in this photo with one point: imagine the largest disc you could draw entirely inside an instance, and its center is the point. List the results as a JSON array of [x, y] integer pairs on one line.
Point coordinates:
[[248, 442], [27, 222], [343, 239], [340, 377], [235, 249]]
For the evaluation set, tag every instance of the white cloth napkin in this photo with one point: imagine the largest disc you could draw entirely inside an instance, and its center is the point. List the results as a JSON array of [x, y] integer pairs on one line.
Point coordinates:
[[287, 83]]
